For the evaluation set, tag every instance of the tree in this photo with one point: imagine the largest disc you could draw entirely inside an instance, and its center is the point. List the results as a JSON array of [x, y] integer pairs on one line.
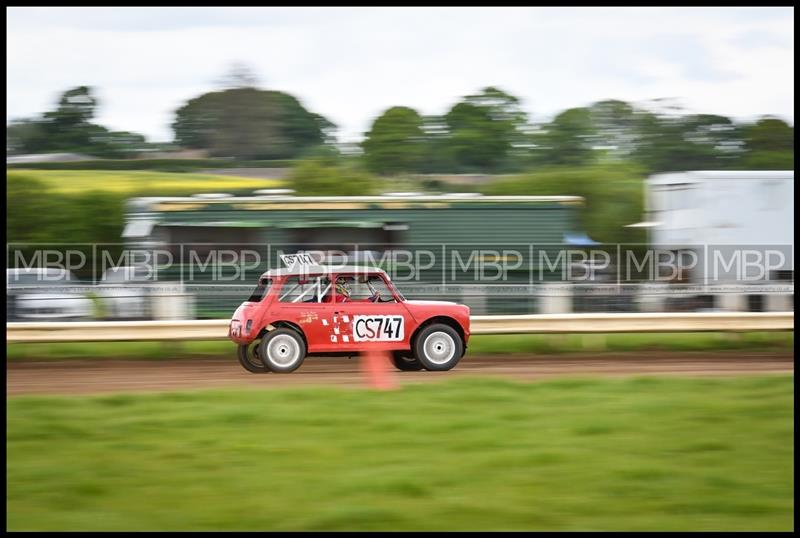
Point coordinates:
[[770, 145], [769, 134], [437, 157], [613, 196], [614, 127], [567, 139], [249, 123], [483, 129], [670, 143], [25, 136], [396, 142], [75, 108], [69, 128], [326, 177]]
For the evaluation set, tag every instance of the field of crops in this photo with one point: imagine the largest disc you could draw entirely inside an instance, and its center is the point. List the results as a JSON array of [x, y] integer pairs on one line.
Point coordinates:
[[634, 454], [151, 183]]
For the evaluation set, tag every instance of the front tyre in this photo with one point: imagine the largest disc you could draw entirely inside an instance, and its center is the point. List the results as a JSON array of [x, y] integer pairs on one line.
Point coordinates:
[[438, 347], [405, 363], [249, 359], [282, 350]]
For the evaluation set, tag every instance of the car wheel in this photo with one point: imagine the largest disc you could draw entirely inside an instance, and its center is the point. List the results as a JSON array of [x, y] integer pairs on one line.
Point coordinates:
[[438, 347], [405, 363], [282, 350], [250, 360]]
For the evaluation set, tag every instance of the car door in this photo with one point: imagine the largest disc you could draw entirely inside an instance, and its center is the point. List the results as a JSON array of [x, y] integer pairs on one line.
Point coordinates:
[[373, 325], [300, 301]]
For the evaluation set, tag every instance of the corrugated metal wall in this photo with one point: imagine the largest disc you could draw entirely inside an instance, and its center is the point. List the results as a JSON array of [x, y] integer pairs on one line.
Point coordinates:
[[459, 234]]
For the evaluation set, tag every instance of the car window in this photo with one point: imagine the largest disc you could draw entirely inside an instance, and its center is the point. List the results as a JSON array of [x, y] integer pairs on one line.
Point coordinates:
[[261, 290], [304, 289], [363, 289]]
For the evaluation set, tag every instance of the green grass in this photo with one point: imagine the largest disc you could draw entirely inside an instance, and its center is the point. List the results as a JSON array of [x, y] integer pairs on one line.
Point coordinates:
[[478, 345], [120, 350], [575, 343], [150, 183], [470, 454]]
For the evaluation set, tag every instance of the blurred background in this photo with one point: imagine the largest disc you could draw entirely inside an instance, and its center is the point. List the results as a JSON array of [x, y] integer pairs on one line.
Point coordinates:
[[518, 160], [138, 133]]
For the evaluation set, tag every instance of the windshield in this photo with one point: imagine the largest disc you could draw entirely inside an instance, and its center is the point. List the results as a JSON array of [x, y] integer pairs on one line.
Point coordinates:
[[392, 287]]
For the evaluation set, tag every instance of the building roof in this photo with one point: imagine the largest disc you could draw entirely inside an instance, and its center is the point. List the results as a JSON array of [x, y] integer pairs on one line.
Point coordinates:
[[315, 270], [724, 175], [284, 201]]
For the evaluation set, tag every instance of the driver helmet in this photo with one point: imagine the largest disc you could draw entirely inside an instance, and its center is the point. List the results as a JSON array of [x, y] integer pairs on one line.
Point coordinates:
[[342, 287]]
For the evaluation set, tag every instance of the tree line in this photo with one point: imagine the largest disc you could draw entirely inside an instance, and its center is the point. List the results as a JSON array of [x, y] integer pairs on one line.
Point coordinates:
[[487, 132]]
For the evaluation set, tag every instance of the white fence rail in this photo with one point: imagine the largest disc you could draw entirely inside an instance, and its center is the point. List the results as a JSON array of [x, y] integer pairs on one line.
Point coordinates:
[[217, 329]]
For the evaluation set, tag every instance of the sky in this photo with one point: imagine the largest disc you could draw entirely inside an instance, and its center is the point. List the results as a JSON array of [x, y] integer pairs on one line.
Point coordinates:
[[351, 64]]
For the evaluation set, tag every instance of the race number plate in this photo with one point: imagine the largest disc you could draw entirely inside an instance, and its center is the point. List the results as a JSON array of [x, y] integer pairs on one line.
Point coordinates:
[[378, 328], [302, 259]]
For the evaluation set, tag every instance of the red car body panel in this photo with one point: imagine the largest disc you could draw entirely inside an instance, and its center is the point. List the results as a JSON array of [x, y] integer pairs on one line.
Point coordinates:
[[351, 326]]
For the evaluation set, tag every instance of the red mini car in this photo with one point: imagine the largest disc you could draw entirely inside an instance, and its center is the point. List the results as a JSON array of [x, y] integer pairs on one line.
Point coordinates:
[[328, 310]]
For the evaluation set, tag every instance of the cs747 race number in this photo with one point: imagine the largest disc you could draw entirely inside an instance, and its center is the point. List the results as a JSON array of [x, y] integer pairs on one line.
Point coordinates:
[[378, 328]]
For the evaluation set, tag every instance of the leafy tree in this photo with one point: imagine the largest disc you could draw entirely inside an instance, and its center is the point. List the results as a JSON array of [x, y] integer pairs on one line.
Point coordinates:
[[249, 123], [769, 134], [396, 142], [25, 136], [614, 126], [75, 108], [613, 194], [328, 177], [436, 154], [114, 144], [673, 142], [39, 215], [770, 145], [483, 129], [68, 128], [567, 139]]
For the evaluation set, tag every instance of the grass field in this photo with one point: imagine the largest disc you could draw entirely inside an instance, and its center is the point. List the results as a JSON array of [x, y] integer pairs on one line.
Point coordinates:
[[479, 345], [634, 454], [136, 182]]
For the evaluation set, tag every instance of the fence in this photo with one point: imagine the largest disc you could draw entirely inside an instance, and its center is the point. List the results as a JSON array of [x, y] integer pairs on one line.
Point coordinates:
[[548, 323], [174, 301]]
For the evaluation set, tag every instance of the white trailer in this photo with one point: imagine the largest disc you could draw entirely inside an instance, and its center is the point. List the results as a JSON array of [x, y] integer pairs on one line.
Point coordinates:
[[721, 208], [740, 224]]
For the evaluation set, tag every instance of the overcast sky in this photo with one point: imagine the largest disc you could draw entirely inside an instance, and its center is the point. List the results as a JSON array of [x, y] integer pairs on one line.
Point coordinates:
[[350, 64]]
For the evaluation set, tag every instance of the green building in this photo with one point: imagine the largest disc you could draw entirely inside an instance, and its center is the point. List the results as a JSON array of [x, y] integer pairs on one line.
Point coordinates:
[[462, 247]]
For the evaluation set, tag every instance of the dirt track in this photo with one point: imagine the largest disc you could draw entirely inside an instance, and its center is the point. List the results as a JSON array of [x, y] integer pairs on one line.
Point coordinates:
[[99, 376]]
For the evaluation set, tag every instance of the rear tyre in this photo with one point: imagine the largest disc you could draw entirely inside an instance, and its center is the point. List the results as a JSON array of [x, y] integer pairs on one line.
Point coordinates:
[[282, 350], [405, 363], [249, 359], [438, 347]]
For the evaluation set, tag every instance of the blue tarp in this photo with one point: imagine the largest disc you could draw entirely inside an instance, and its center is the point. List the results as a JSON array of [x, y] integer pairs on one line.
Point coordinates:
[[579, 239]]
